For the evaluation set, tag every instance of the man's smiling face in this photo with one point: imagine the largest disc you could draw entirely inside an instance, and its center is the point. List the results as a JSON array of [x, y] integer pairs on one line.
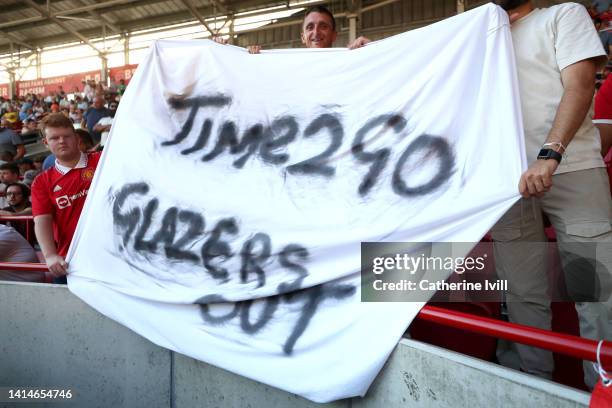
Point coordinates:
[[318, 31]]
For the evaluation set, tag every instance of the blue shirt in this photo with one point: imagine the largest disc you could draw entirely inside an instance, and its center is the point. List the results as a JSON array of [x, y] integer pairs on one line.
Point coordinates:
[[92, 116]]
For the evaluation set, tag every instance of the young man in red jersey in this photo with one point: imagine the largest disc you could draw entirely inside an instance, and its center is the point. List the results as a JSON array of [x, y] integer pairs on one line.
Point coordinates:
[[58, 194]]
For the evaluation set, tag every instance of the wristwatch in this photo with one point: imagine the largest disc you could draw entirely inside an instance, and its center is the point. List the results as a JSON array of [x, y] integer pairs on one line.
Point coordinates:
[[546, 154]]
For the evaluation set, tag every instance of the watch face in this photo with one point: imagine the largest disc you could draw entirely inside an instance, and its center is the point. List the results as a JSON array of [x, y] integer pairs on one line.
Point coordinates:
[[544, 154]]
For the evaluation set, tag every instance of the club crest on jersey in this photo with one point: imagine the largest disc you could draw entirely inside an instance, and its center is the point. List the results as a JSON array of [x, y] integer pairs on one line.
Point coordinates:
[[87, 174]]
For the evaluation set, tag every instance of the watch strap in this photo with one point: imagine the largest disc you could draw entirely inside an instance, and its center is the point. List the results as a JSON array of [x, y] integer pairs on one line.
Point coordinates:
[[546, 154]]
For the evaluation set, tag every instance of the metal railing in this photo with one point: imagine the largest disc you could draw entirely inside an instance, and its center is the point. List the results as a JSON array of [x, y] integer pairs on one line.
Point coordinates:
[[27, 219], [584, 349]]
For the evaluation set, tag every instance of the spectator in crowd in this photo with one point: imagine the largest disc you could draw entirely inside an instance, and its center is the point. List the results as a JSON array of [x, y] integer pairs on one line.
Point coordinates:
[[603, 120], [81, 104], [18, 200], [89, 90], [75, 114], [37, 108], [558, 53], [112, 88], [86, 145], [104, 124], [48, 162], [29, 128], [121, 87], [83, 87], [600, 5], [604, 35], [6, 157], [23, 111], [64, 103], [58, 194], [606, 17], [100, 89], [24, 165], [60, 92], [4, 105], [9, 140], [38, 163], [318, 28], [27, 170], [9, 174], [93, 115], [49, 98], [14, 248]]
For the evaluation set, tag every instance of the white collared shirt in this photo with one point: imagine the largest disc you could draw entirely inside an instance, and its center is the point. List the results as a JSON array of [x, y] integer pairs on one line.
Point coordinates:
[[82, 163]]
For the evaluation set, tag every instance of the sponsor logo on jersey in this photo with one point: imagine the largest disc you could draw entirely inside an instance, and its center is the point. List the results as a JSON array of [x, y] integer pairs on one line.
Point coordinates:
[[63, 202], [66, 201]]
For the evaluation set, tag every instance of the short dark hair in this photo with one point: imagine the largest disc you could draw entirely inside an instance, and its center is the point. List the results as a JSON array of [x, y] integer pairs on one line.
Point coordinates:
[[25, 160], [12, 167], [6, 156], [597, 20], [25, 190], [510, 4], [322, 10], [85, 138]]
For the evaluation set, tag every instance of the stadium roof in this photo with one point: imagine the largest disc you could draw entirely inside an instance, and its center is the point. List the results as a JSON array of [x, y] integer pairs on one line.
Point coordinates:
[[36, 24], [32, 24]]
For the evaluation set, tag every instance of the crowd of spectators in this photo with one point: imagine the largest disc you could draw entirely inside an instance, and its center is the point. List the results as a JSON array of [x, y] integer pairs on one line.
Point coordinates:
[[22, 115]]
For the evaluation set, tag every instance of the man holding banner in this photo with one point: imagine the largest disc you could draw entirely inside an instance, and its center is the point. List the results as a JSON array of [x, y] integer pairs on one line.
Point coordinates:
[[318, 31], [59, 193], [253, 262], [557, 52]]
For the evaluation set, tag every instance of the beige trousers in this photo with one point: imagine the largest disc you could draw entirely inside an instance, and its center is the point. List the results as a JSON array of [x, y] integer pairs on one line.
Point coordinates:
[[580, 209]]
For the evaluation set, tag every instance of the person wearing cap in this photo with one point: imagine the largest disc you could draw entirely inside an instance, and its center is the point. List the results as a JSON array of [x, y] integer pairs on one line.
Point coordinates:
[[9, 140]]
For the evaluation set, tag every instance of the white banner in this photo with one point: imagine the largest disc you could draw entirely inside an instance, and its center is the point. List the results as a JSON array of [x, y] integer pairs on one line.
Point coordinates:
[[226, 217]]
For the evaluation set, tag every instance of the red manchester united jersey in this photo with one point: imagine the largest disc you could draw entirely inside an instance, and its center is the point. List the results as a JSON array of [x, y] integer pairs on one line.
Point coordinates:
[[62, 195]]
